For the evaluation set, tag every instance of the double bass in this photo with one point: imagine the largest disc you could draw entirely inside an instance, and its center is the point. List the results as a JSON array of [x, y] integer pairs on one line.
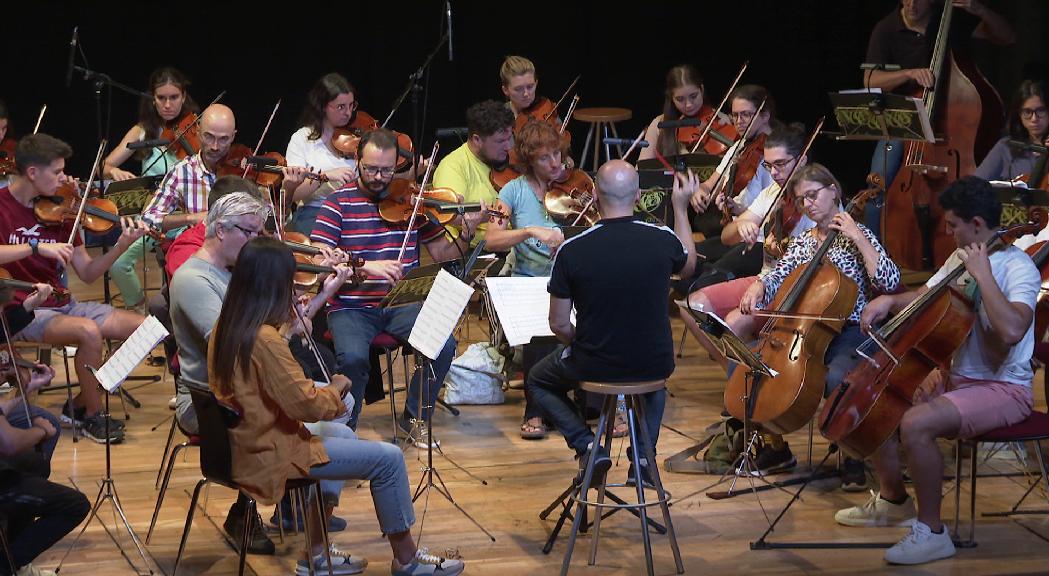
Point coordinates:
[[810, 310], [966, 114], [868, 407]]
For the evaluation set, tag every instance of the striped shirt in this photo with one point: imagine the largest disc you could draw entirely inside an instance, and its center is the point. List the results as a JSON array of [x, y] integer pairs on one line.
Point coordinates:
[[350, 220], [185, 188]]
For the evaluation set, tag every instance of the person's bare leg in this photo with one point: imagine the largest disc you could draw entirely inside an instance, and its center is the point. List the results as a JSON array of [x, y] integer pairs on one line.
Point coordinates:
[[315, 527], [83, 333], [887, 469], [120, 324], [920, 428], [403, 547]]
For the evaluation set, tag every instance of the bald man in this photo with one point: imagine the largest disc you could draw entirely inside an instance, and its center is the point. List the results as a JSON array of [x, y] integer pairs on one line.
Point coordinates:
[[617, 276]]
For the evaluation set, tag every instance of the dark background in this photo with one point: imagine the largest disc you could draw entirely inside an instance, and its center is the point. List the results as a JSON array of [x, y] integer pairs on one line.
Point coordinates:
[[261, 52]]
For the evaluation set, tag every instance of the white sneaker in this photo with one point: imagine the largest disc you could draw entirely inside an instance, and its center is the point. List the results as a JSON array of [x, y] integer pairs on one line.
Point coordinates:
[[173, 403], [877, 512], [30, 570], [921, 545]]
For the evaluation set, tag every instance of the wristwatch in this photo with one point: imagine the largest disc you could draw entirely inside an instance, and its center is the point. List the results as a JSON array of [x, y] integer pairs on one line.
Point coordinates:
[[34, 243]]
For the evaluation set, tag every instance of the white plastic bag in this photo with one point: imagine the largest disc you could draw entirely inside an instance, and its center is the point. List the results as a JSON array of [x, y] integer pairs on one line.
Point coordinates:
[[474, 376]]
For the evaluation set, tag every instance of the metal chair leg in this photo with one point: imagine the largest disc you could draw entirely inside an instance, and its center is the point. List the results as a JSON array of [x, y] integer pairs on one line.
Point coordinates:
[[164, 488], [650, 455], [245, 536], [164, 456], [189, 523]]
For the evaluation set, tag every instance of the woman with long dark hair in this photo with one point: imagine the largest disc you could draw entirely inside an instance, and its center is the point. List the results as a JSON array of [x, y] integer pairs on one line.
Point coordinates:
[[1029, 124], [251, 368]]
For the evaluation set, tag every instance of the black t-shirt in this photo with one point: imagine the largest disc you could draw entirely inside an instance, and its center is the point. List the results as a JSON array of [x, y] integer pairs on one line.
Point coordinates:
[[892, 42], [617, 275]]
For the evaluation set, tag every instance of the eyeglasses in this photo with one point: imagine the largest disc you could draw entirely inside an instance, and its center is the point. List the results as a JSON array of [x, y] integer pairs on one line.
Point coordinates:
[[812, 195], [248, 232], [1028, 113], [744, 115], [778, 164], [377, 171]]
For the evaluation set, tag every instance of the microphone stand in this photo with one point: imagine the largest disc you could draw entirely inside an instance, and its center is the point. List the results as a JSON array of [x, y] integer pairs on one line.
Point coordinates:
[[414, 87]]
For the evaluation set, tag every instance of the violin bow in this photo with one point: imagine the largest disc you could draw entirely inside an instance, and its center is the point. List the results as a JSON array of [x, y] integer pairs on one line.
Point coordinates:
[[706, 130], [181, 133], [732, 159], [563, 96], [636, 142], [14, 365], [418, 201], [568, 115], [83, 200], [258, 145], [40, 119]]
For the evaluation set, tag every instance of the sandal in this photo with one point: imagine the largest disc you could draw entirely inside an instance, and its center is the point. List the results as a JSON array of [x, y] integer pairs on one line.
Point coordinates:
[[621, 429], [533, 429]]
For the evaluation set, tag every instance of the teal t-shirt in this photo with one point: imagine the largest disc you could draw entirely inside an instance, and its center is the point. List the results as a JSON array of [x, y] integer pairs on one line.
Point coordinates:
[[533, 257]]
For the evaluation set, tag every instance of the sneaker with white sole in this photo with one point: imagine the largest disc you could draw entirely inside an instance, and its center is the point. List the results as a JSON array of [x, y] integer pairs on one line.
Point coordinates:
[[921, 545], [877, 512], [426, 564], [341, 563], [30, 570]]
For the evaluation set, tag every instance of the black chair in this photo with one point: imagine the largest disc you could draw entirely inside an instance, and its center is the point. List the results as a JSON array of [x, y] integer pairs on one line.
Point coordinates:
[[216, 464], [6, 547]]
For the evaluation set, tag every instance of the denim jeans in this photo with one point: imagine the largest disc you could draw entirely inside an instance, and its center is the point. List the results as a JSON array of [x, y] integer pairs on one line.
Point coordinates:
[[304, 218], [17, 419], [352, 331], [382, 464], [549, 383], [888, 165]]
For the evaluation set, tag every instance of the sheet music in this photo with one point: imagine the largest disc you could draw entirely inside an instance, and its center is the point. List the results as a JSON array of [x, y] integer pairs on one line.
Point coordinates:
[[731, 346], [523, 307], [130, 354], [440, 314]]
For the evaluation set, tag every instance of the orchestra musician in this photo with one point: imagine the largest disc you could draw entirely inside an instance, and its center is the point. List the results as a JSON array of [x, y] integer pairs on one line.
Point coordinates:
[[988, 386], [684, 99], [1028, 124], [37, 253]]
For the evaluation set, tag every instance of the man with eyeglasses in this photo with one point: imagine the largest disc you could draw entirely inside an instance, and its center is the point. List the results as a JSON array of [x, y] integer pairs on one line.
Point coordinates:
[[350, 220], [185, 188]]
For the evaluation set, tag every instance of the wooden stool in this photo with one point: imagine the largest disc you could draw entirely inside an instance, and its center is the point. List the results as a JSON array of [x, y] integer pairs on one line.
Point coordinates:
[[601, 120], [632, 392]]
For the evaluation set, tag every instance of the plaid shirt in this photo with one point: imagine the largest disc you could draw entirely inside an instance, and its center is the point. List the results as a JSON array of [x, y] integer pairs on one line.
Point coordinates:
[[184, 188]]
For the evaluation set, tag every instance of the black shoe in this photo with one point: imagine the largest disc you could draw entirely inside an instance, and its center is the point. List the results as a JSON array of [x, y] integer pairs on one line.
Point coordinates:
[[335, 524], [646, 476], [601, 465], [772, 461], [78, 415], [853, 475], [258, 543], [94, 427]]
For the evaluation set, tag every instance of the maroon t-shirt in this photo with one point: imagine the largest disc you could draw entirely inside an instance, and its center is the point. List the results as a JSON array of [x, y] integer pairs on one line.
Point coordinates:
[[17, 226]]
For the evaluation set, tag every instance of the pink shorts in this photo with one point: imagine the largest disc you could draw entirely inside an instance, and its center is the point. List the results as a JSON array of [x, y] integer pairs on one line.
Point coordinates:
[[725, 296], [987, 405]]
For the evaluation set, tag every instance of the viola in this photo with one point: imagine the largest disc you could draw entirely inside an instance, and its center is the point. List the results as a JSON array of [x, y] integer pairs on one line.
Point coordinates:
[[184, 135], [810, 310], [8, 281], [868, 407], [573, 199], [967, 115], [346, 140], [235, 160], [722, 135], [100, 214], [307, 272]]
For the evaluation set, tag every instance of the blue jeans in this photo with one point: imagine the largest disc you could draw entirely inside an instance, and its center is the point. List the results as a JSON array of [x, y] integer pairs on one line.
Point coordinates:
[[304, 219], [382, 464], [17, 419], [841, 356], [352, 331], [888, 165], [549, 383]]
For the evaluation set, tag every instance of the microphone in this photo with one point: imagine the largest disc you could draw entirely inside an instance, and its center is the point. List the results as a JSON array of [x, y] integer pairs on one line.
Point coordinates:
[[460, 131], [1027, 146], [448, 12], [72, 53], [679, 123], [625, 142], [885, 67], [141, 144]]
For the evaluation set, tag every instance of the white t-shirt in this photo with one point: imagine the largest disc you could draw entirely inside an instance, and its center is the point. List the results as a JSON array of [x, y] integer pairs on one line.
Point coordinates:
[[1025, 242], [759, 207], [761, 180], [314, 153], [983, 355]]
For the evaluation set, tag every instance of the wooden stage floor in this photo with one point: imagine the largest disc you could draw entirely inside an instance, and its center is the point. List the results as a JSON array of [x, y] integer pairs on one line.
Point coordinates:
[[522, 478]]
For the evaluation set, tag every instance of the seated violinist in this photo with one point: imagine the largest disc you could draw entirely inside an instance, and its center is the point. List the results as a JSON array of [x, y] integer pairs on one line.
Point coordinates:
[[350, 220], [466, 169], [520, 83], [855, 252], [38, 253], [684, 99], [186, 186], [989, 384]]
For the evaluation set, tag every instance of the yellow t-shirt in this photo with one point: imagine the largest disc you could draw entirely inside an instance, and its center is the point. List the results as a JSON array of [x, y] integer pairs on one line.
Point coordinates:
[[467, 175]]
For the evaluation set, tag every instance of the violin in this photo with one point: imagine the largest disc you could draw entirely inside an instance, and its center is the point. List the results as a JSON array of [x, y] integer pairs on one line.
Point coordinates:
[[720, 137], [7, 156], [268, 173], [785, 212], [542, 108], [184, 135], [100, 214], [573, 199], [345, 140], [811, 307], [868, 407], [307, 272], [397, 207], [8, 281]]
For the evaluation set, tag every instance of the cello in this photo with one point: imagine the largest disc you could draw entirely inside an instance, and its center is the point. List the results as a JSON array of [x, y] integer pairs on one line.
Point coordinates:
[[868, 407], [810, 310], [967, 114]]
